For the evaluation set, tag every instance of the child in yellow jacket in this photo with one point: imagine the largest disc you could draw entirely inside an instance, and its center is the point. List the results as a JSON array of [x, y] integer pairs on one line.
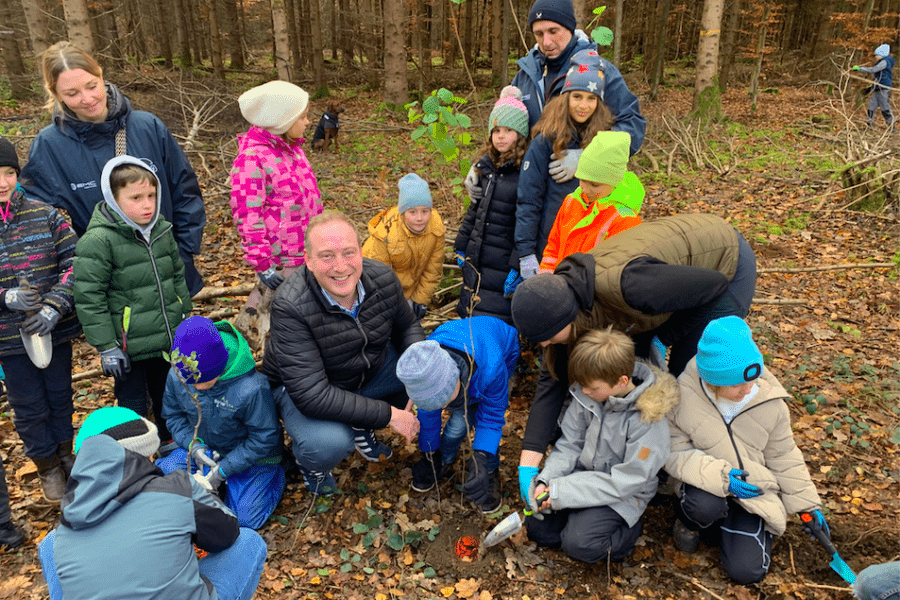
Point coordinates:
[[409, 238], [606, 202]]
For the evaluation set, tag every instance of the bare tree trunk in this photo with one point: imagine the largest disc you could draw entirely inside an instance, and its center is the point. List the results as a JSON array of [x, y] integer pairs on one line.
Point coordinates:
[[234, 14], [617, 33], [183, 32], [581, 16], [318, 47], [760, 54], [291, 11], [347, 32], [418, 32], [726, 56], [660, 52], [282, 45], [163, 18], [12, 55], [707, 99], [77, 24], [190, 10], [38, 29], [395, 83], [215, 39]]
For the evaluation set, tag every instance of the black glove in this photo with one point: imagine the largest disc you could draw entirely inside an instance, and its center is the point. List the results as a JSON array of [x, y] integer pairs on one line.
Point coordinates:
[[271, 278], [418, 310], [42, 322], [477, 486], [24, 299], [114, 362]]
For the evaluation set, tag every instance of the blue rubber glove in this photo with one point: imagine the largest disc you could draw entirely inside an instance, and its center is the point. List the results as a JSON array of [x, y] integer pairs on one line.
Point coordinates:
[[815, 521], [528, 266], [526, 474], [460, 259], [740, 488], [509, 286]]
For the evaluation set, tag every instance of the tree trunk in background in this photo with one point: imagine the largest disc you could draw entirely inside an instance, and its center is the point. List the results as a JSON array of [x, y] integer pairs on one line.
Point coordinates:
[[707, 100], [437, 27], [138, 29], [182, 31], [504, 41], [660, 50], [12, 55], [291, 10], [335, 26], [77, 25], [215, 39], [282, 45], [317, 51], [870, 4], [498, 60], [234, 14], [395, 83], [370, 24], [191, 9], [163, 18], [617, 33], [38, 29], [582, 18], [347, 33], [821, 42], [726, 56], [760, 55]]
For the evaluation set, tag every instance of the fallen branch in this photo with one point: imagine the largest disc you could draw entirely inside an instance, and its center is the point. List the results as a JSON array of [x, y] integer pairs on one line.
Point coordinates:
[[209, 293], [693, 581], [781, 301], [827, 268], [86, 375]]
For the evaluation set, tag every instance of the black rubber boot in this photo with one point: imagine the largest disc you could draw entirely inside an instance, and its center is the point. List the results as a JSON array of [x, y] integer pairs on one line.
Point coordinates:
[[53, 479], [66, 458]]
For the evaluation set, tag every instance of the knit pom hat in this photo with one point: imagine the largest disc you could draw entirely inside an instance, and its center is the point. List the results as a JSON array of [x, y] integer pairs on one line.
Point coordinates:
[[274, 106], [509, 111], [197, 338], [413, 192], [726, 353], [586, 73], [429, 373], [558, 11], [605, 159], [882, 51], [9, 158], [132, 431], [542, 307]]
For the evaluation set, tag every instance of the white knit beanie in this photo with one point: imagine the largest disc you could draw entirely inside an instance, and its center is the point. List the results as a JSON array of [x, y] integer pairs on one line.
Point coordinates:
[[274, 106]]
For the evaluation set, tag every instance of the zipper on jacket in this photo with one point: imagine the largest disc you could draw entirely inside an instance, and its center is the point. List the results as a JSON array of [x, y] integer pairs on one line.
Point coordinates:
[[162, 298]]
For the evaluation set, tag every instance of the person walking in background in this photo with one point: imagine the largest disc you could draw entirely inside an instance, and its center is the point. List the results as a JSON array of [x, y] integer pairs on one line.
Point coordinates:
[[37, 250], [129, 286], [93, 122], [485, 243], [409, 238], [570, 121], [883, 72]]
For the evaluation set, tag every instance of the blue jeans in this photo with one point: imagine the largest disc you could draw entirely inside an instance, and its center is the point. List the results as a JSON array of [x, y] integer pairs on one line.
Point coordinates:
[[253, 494], [455, 431], [234, 572], [321, 445], [41, 400], [878, 582]]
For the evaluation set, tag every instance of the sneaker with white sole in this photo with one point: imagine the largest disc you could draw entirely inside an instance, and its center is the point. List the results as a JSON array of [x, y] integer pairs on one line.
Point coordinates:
[[367, 445], [321, 483]]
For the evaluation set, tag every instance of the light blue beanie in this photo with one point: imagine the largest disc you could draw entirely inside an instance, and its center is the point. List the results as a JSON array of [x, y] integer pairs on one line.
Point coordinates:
[[429, 374], [727, 354], [882, 50], [413, 192]]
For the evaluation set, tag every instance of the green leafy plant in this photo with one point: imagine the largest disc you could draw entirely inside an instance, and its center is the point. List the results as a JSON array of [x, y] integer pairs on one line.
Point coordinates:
[[603, 36], [444, 126], [391, 534]]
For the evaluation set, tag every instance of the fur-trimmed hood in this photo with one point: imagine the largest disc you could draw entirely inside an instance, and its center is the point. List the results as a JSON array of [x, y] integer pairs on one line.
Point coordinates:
[[654, 397]]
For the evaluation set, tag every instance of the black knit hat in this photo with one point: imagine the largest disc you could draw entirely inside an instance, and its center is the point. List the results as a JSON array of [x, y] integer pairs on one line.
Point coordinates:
[[558, 11], [542, 306], [8, 156]]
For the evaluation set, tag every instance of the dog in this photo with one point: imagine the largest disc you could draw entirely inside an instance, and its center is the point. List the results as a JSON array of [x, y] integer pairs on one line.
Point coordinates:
[[328, 127]]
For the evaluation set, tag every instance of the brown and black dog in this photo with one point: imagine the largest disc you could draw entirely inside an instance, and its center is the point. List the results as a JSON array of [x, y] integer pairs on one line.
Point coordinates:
[[328, 127]]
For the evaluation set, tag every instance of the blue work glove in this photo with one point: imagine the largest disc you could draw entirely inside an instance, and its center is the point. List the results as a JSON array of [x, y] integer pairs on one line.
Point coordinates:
[[814, 521], [460, 259], [271, 278], [528, 266], [855, 67], [200, 457], [526, 475], [42, 322], [24, 299], [563, 169], [509, 286], [741, 488], [115, 363], [472, 184]]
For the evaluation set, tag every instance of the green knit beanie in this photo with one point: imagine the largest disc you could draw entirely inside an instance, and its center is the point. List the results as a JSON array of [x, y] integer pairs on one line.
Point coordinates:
[[605, 159]]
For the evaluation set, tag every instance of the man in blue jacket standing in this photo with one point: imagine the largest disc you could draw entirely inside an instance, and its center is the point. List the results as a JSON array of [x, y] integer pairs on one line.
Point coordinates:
[[542, 73]]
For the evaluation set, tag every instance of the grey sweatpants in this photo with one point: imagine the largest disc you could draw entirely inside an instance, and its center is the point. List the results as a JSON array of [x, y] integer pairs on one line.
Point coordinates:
[[880, 100]]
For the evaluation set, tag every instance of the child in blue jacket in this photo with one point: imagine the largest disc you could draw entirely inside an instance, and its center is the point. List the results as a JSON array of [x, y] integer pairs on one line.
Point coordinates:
[[882, 71], [239, 439], [464, 367]]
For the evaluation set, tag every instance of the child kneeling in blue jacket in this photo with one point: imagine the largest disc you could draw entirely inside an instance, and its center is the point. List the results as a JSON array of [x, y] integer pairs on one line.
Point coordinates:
[[240, 438], [464, 366]]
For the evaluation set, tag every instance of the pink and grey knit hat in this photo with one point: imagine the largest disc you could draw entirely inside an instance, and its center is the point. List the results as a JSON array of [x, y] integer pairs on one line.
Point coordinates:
[[510, 111]]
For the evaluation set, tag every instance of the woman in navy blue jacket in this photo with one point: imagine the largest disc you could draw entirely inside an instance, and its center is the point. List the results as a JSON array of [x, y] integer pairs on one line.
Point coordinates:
[[92, 123]]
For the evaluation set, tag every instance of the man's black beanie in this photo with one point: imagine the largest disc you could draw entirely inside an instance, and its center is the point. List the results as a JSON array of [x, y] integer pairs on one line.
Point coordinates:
[[558, 11]]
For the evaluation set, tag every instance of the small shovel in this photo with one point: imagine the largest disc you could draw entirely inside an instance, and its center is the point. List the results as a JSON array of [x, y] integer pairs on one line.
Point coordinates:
[[38, 347], [504, 530], [837, 563]]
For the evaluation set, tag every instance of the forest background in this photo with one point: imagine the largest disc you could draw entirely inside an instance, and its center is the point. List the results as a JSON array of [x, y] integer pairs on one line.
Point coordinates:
[[753, 114]]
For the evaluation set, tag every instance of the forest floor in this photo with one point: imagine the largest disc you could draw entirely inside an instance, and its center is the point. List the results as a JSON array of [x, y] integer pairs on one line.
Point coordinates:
[[831, 335]]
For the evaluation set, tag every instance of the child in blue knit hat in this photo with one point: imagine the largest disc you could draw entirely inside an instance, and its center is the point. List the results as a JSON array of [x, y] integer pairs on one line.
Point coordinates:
[[409, 238], [239, 439], [882, 70], [733, 454]]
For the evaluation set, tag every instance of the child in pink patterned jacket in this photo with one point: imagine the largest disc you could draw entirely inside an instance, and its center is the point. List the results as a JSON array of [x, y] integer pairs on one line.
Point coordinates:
[[274, 192]]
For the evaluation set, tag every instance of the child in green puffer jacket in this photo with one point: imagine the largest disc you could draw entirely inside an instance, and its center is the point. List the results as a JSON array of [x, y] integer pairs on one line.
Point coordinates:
[[130, 290]]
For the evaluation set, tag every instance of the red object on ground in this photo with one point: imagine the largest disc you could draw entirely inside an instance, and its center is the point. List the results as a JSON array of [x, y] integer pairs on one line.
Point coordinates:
[[467, 547]]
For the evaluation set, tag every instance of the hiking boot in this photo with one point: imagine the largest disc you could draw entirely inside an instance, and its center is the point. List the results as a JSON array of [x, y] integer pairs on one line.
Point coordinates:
[[371, 449], [66, 458], [321, 483], [424, 471], [685, 540], [53, 479], [10, 535]]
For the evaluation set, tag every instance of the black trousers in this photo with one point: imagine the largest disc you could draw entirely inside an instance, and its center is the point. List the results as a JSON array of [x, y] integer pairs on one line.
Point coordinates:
[[586, 534]]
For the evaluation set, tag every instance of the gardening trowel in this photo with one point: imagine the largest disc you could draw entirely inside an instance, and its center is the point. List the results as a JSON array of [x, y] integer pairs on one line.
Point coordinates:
[[504, 530], [38, 347], [837, 563]]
